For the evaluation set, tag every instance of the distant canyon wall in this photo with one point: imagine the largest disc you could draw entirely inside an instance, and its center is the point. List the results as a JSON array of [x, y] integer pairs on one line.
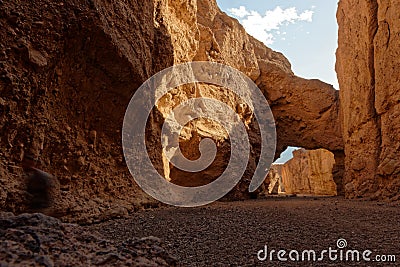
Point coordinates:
[[310, 172]]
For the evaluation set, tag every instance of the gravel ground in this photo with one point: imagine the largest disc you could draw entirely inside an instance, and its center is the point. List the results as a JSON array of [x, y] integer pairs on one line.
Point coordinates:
[[231, 233]]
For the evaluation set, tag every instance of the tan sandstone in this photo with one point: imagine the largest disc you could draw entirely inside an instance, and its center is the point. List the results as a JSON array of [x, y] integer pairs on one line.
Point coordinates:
[[69, 69], [367, 66], [273, 183], [309, 172]]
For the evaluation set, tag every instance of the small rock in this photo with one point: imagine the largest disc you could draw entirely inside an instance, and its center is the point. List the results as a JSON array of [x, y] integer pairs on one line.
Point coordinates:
[[44, 260], [93, 137], [81, 161], [37, 58], [58, 71]]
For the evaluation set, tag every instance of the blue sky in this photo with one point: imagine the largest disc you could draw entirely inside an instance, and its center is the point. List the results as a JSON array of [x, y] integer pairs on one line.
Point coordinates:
[[309, 46], [304, 31]]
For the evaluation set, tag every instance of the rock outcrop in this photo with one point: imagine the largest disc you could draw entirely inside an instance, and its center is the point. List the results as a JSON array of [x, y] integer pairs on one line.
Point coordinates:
[[69, 68], [367, 66], [309, 172], [273, 183], [68, 71], [35, 239], [306, 111]]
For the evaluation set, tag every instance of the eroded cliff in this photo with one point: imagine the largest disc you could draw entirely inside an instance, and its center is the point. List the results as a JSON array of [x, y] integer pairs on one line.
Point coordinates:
[[367, 66], [309, 172], [69, 69]]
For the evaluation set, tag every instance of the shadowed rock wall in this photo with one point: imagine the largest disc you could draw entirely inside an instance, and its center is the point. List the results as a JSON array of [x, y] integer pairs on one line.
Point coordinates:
[[368, 70]]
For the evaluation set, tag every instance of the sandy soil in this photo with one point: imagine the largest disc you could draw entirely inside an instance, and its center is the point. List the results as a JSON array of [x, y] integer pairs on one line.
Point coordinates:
[[231, 233]]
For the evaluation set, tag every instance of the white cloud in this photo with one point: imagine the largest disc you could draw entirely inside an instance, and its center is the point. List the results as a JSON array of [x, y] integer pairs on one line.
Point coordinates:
[[240, 12], [264, 27], [306, 15]]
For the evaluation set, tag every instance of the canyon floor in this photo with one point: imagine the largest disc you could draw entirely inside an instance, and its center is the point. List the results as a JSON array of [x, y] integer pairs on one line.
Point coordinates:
[[231, 233]]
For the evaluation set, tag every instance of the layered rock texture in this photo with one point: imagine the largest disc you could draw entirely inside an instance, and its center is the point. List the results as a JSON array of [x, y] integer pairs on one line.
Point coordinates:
[[368, 69], [273, 183], [38, 240], [309, 172], [69, 69]]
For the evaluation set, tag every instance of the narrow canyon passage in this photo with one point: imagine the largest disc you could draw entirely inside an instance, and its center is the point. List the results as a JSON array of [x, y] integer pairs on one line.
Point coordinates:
[[231, 234]]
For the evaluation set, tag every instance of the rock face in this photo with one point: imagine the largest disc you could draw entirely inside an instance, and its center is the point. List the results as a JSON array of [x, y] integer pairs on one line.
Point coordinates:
[[68, 70], [367, 67], [44, 241], [310, 172], [273, 183]]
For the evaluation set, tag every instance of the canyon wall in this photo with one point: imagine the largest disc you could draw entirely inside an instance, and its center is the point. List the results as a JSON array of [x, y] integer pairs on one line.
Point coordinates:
[[306, 111], [69, 69], [309, 172], [368, 62], [273, 182]]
